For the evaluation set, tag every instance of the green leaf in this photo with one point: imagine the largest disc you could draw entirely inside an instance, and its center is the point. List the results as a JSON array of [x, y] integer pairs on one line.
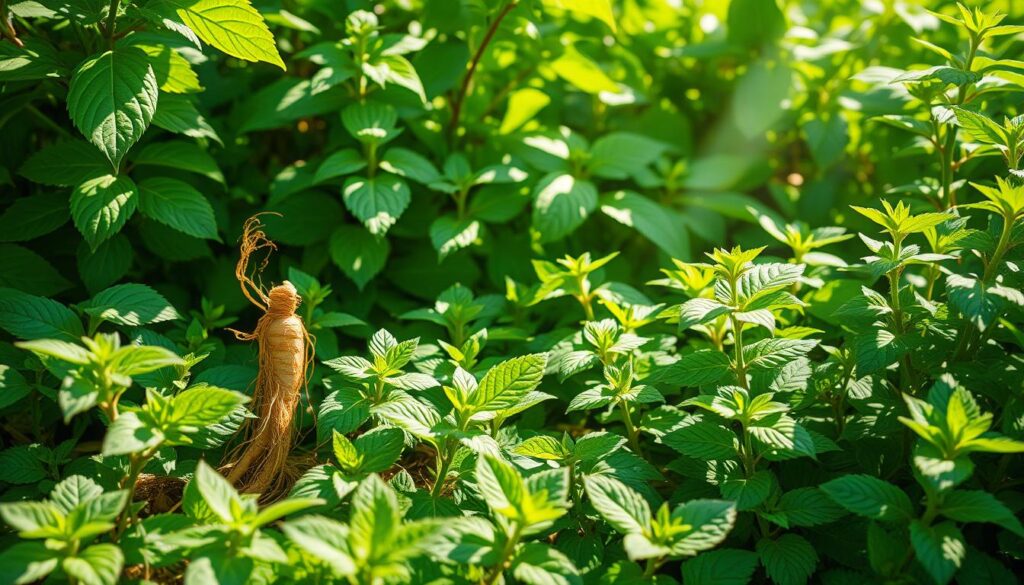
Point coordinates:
[[523, 105], [65, 164], [704, 366], [504, 385], [178, 154], [100, 564], [410, 165], [30, 217], [202, 405], [178, 114], [375, 518], [944, 73], [973, 300], [979, 506], [542, 447], [720, 567], [286, 507], [980, 126], [398, 70], [710, 522], [27, 562], [105, 265], [345, 453], [35, 60], [755, 23], [626, 510], [702, 439], [759, 100], [939, 548], [27, 271], [218, 494], [173, 72], [133, 360], [449, 234], [74, 491], [698, 311], [827, 138], [342, 411], [112, 98], [748, 493], [100, 207], [377, 202], [13, 386], [621, 154], [539, 564], [762, 279], [130, 304], [233, 26], [130, 434], [325, 539], [869, 496], [561, 204], [808, 507], [341, 163], [662, 226], [776, 352], [371, 122], [62, 350], [599, 9], [178, 205], [582, 72], [217, 567], [501, 486], [380, 449], [788, 560]]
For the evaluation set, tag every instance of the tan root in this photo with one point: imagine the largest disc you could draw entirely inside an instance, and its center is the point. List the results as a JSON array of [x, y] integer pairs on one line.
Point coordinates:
[[261, 463]]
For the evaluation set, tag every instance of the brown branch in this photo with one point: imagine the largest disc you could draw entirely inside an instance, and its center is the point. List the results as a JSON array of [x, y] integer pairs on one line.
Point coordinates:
[[453, 124], [7, 26]]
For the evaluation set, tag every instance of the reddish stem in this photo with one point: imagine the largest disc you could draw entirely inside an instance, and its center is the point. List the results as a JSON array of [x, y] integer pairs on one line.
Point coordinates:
[[453, 124]]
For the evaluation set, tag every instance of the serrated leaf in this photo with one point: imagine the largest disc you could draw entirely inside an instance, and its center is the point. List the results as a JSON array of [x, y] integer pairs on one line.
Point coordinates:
[[508, 382], [623, 508], [869, 496], [358, 253], [112, 98], [377, 202], [940, 549], [130, 304], [561, 204], [178, 205], [233, 26], [100, 207], [65, 164], [788, 560]]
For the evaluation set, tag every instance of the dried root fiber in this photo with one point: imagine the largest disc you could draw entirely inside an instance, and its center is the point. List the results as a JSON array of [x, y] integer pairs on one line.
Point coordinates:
[[260, 464]]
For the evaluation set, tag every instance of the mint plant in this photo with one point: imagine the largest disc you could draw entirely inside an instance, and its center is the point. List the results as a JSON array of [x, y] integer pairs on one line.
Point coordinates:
[[582, 292]]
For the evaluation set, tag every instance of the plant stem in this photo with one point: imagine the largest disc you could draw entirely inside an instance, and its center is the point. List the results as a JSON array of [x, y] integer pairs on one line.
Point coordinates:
[[651, 568], [510, 547], [991, 271], [740, 367], [453, 124], [992, 267], [112, 22], [627, 419], [137, 463], [444, 463]]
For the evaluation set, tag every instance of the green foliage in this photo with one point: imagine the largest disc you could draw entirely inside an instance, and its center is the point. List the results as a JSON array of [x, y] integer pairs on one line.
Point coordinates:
[[601, 292]]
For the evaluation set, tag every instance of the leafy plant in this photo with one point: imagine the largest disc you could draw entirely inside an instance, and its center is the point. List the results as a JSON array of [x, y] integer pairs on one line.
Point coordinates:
[[598, 292]]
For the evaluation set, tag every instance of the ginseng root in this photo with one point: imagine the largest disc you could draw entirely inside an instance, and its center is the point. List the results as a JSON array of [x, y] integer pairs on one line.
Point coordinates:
[[285, 353]]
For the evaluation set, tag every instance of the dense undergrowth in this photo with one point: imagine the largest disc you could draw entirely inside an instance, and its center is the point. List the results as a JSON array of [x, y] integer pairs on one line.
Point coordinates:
[[601, 291]]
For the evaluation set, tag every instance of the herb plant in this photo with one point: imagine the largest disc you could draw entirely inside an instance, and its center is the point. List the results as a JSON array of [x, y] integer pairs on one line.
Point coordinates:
[[582, 292]]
